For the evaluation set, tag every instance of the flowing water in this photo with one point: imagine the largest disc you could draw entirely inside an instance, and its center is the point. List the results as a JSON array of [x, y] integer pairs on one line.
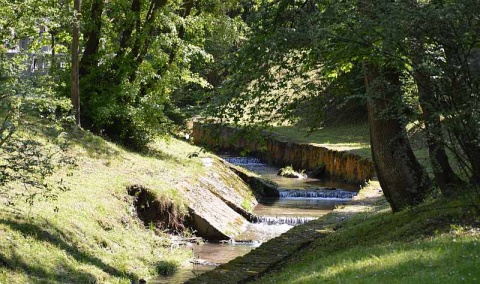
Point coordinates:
[[300, 201], [206, 257]]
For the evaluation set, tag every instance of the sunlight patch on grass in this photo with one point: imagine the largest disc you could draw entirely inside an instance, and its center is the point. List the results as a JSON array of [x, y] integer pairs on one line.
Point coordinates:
[[92, 233], [351, 138], [442, 259], [437, 242]]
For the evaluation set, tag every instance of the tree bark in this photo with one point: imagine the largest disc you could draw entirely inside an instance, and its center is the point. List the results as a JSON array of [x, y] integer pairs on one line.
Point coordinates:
[[53, 62], [75, 84], [459, 100], [144, 32], [445, 177], [403, 180], [92, 34]]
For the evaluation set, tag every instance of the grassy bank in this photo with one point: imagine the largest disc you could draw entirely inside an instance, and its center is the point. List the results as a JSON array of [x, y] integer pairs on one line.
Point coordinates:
[[352, 138], [438, 242], [92, 232], [363, 242], [355, 139]]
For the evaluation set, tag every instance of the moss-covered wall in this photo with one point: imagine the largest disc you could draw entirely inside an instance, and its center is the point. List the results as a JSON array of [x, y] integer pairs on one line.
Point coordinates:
[[340, 165]]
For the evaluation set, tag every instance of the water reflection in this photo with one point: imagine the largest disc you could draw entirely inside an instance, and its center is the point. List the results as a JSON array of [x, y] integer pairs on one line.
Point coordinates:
[[270, 172], [213, 253]]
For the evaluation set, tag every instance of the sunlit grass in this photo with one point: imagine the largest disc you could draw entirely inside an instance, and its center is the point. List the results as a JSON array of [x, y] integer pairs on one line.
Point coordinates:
[[91, 233], [352, 138], [442, 259], [438, 242]]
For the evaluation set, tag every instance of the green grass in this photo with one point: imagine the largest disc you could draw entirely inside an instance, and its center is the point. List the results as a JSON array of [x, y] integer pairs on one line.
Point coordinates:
[[354, 138], [438, 242], [430, 261], [92, 233], [350, 138]]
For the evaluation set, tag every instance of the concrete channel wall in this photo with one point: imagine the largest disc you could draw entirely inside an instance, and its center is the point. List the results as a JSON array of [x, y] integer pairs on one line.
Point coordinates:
[[279, 151]]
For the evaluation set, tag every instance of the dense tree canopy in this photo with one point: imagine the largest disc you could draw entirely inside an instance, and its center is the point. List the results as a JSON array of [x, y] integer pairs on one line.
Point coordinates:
[[138, 54], [145, 65], [419, 61]]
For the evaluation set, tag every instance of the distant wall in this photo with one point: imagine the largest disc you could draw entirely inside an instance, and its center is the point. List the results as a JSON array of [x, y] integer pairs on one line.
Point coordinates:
[[340, 165]]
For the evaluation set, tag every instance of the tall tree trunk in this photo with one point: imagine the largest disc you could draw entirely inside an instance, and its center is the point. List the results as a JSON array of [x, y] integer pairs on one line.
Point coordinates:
[[75, 88], [445, 177], [403, 180], [92, 35], [463, 125], [53, 62]]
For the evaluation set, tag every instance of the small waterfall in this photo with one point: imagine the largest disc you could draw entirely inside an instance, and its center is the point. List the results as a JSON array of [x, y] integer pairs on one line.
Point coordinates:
[[318, 193], [243, 161], [283, 220]]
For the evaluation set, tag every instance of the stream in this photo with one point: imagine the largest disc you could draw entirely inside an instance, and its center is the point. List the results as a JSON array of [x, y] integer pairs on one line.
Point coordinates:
[[301, 200]]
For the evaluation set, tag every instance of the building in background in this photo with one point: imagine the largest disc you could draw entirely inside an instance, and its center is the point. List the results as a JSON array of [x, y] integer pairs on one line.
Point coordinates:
[[37, 61]]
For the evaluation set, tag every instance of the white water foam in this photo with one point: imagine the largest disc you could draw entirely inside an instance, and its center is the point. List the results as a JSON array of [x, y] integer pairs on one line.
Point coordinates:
[[244, 161], [318, 194], [280, 220]]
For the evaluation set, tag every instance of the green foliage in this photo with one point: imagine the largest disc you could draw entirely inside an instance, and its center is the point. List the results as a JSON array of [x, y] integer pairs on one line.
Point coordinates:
[[289, 172], [303, 62], [146, 59], [11, 95], [25, 161], [166, 268], [27, 164]]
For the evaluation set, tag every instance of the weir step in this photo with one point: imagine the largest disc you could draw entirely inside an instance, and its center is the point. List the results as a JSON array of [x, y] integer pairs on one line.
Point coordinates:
[[243, 161], [281, 220], [320, 193]]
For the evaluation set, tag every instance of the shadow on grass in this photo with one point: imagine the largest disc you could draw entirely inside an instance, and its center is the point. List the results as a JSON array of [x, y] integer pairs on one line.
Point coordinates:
[[95, 146], [152, 152], [50, 234], [430, 262], [39, 274]]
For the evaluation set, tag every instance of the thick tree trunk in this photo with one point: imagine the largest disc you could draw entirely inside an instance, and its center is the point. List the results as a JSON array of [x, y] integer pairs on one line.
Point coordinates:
[[92, 34], [470, 147], [445, 177], [403, 180]]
